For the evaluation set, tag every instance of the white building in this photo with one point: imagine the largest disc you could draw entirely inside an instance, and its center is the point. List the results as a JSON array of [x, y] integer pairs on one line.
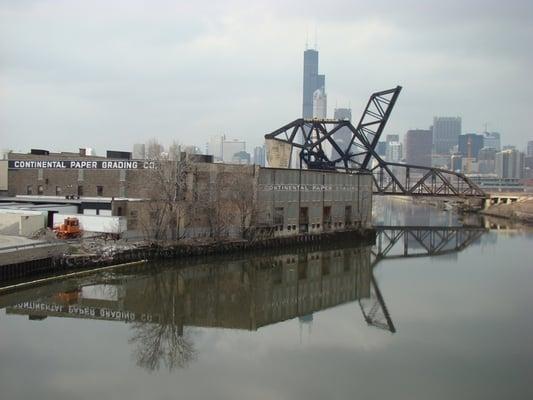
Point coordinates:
[[214, 146], [139, 151], [394, 152], [492, 140], [510, 164], [320, 103], [230, 148]]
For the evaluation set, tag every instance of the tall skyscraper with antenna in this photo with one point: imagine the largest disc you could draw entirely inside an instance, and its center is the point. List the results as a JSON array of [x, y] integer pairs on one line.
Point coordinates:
[[312, 81]]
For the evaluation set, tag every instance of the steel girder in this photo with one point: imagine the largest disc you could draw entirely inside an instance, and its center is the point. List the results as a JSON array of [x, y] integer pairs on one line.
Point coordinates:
[[337, 145]]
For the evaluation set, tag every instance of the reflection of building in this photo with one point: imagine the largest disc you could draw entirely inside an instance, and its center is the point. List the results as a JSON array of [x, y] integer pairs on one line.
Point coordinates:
[[246, 294]]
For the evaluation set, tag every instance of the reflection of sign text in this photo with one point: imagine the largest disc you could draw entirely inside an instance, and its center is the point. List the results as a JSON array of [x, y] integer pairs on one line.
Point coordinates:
[[81, 311]]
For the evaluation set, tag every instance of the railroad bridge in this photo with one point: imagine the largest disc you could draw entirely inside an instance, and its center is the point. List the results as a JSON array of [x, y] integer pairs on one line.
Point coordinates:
[[332, 144]]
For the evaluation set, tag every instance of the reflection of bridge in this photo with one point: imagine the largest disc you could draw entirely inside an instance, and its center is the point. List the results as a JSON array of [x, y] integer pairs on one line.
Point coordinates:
[[338, 145], [265, 289], [395, 242]]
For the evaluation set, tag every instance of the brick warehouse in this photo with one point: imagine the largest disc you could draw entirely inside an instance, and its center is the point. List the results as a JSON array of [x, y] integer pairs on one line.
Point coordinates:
[[279, 202]]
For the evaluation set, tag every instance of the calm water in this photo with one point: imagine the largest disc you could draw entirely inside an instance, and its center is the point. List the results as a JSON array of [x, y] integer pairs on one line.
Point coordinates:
[[353, 321]]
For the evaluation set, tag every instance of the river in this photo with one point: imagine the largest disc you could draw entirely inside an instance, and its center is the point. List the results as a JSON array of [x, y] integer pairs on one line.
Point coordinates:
[[438, 308]]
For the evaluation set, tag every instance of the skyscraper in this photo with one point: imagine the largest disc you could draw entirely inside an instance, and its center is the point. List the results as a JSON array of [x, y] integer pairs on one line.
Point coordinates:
[[470, 144], [510, 164], [492, 140], [215, 146], [529, 152], [259, 155], [446, 131], [343, 136], [312, 81], [418, 144]]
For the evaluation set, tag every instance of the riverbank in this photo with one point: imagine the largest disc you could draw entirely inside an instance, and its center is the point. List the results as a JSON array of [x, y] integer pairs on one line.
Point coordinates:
[[521, 211], [88, 254]]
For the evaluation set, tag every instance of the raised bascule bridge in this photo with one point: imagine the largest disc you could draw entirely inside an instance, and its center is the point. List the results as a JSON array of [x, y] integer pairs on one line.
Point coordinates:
[[331, 144]]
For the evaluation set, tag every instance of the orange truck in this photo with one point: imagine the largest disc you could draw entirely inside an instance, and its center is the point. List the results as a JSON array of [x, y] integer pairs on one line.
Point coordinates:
[[69, 229]]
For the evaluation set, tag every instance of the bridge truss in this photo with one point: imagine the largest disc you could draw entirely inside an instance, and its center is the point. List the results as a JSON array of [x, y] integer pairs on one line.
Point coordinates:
[[331, 144]]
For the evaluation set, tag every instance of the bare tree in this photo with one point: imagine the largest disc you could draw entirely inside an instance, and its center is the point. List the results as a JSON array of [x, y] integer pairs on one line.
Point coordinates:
[[162, 341], [165, 186], [242, 196]]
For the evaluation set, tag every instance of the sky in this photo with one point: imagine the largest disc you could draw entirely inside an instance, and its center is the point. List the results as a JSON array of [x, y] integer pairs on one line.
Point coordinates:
[[107, 74]]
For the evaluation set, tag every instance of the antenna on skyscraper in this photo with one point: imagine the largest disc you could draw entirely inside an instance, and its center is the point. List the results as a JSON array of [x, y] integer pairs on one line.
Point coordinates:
[[316, 39], [307, 39]]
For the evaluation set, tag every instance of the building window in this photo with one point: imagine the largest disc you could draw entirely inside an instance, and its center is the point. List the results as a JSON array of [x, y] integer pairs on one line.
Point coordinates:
[[40, 174], [99, 190], [29, 189], [40, 189], [80, 190], [278, 216], [58, 190]]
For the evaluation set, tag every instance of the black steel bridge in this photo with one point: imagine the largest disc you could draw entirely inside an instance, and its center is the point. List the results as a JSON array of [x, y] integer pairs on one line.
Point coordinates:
[[332, 144]]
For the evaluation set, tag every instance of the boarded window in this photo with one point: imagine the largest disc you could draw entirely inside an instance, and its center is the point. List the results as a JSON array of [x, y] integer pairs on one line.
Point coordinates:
[[29, 189], [100, 190]]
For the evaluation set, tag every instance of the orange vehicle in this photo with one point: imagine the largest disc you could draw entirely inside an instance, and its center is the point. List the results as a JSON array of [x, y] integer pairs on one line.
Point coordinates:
[[69, 229]]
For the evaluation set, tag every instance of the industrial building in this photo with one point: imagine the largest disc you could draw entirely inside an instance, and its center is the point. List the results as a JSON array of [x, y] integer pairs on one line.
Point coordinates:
[[212, 199]]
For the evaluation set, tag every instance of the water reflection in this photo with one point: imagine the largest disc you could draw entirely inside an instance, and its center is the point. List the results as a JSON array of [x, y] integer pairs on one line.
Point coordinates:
[[164, 303]]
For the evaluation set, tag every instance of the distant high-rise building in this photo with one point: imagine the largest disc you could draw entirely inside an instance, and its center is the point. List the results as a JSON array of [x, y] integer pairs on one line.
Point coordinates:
[[381, 148], [392, 138], [456, 162], [487, 160], [446, 131], [230, 148], [470, 144], [529, 151], [259, 155], [139, 152], [241, 157], [418, 144], [510, 164], [342, 136], [394, 152], [311, 82], [320, 103], [344, 114], [492, 140], [215, 146]]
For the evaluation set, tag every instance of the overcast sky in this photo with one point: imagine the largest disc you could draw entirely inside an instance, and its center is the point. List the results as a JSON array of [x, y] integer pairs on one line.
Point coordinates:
[[107, 74]]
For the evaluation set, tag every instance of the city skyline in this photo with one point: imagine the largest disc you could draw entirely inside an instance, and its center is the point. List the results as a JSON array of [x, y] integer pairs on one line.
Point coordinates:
[[102, 77]]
